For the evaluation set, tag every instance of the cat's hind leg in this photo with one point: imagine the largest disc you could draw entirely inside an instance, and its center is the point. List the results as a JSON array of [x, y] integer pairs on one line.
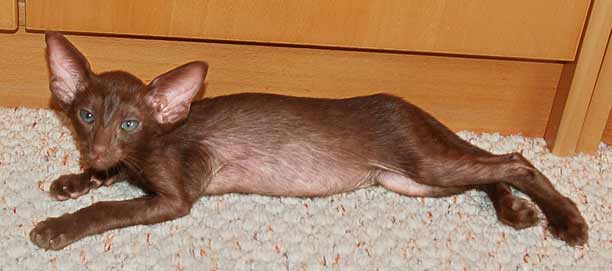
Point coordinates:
[[511, 210], [403, 185], [468, 169], [429, 153]]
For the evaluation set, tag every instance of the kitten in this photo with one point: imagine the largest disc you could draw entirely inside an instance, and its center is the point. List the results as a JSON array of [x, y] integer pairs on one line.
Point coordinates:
[[178, 151]]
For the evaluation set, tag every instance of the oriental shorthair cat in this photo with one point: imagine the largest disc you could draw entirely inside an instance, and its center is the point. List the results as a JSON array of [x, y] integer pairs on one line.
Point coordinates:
[[177, 150]]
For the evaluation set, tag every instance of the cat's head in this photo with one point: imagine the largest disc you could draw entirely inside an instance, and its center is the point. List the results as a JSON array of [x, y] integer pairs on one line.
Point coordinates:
[[115, 113]]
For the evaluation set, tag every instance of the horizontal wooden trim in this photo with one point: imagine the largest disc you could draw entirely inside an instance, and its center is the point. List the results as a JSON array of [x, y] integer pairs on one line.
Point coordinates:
[[475, 94], [543, 29]]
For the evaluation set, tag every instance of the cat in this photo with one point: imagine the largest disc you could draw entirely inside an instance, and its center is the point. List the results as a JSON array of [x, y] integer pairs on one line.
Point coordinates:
[[178, 150]]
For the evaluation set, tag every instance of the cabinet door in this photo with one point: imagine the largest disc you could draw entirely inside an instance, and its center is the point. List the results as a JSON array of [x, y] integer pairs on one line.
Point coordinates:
[[8, 14], [542, 29]]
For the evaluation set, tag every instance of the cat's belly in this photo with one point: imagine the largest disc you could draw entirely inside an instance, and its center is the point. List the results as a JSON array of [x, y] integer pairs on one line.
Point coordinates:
[[304, 164], [255, 177]]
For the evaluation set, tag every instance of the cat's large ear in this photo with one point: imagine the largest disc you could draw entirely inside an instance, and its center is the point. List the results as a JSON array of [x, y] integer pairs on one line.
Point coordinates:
[[69, 68], [170, 94]]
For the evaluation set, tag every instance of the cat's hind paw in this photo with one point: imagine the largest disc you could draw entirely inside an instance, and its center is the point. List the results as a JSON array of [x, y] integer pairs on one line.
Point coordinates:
[[517, 213], [569, 225]]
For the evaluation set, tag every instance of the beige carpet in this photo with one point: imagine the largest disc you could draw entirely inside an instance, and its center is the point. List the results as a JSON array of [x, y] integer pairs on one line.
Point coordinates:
[[369, 229]]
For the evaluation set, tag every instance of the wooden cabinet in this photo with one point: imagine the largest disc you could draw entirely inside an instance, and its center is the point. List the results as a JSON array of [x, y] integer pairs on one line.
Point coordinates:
[[543, 29], [8, 14]]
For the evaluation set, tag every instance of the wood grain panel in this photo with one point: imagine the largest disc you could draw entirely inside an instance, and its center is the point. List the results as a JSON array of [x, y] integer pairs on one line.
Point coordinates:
[[475, 94], [8, 14], [543, 29]]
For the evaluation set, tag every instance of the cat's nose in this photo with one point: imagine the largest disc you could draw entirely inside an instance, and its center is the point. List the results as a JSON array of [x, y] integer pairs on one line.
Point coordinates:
[[98, 151]]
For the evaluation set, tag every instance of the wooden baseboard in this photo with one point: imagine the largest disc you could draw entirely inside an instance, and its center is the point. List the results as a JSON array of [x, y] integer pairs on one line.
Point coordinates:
[[489, 95]]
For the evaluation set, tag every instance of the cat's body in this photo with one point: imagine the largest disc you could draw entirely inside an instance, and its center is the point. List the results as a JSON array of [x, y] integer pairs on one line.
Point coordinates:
[[265, 144], [291, 146], [288, 152]]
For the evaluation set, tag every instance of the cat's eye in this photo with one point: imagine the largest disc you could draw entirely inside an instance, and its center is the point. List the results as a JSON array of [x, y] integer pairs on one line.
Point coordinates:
[[129, 125], [86, 116]]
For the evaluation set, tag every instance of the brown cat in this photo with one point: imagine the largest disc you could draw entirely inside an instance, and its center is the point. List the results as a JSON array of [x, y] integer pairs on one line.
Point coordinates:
[[178, 151]]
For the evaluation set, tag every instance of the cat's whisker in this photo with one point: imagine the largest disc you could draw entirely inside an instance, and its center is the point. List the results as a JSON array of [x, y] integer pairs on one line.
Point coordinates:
[[133, 163]]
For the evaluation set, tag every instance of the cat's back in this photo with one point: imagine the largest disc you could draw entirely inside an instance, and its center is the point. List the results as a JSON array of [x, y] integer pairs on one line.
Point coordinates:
[[259, 105], [250, 109], [269, 119]]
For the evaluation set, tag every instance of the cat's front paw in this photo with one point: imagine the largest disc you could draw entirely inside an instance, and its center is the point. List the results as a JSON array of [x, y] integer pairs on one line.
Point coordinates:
[[55, 233], [71, 186]]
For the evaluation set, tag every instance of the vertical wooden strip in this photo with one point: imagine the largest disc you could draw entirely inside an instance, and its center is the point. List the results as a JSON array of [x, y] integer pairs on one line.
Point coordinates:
[[599, 109], [21, 13], [607, 134], [556, 113], [563, 131]]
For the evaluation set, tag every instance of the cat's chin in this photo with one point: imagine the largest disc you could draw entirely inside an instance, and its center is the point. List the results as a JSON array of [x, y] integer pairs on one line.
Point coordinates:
[[102, 165]]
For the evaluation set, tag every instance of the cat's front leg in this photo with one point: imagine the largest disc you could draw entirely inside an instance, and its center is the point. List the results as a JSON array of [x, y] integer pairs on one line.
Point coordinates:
[[72, 186], [58, 232]]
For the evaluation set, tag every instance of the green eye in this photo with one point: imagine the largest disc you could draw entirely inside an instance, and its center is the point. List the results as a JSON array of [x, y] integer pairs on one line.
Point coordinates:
[[86, 116], [129, 125]]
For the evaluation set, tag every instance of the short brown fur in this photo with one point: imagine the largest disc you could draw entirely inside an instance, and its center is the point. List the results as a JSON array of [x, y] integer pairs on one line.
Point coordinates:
[[266, 144]]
